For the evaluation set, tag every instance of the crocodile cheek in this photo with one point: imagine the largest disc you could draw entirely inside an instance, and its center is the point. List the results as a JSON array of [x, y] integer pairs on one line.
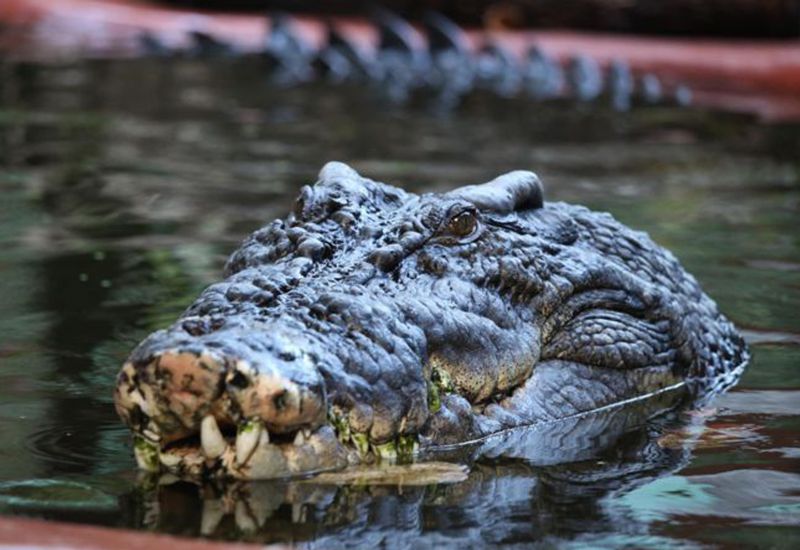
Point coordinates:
[[488, 362]]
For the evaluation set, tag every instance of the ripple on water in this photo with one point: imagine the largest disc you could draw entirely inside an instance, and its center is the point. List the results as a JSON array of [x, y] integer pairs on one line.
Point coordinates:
[[54, 495], [80, 451], [765, 402], [755, 495]]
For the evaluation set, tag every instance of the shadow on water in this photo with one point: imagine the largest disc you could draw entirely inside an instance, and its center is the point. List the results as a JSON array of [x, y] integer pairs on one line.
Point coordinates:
[[125, 184]]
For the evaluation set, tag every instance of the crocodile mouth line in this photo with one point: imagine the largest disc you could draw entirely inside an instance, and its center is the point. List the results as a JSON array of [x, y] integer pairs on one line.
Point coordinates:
[[246, 451], [251, 451], [198, 416]]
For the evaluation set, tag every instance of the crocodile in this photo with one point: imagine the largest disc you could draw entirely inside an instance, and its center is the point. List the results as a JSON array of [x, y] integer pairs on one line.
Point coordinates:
[[373, 324], [440, 62], [436, 58]]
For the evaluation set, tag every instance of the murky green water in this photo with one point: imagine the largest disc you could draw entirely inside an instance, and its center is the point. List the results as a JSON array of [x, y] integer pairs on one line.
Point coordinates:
[[124, 185]]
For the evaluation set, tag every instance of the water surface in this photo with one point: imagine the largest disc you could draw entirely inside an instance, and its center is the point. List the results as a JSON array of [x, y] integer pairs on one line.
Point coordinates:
[[125, 184]]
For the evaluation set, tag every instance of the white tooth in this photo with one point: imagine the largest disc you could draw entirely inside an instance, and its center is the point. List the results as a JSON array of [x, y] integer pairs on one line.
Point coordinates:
[[247, 440], [263, 500], [211, 438], [168, 478], [300, 438], [244, 521], [151, 435], [298, 513], [152, 510], [170, 461], [213, 512]]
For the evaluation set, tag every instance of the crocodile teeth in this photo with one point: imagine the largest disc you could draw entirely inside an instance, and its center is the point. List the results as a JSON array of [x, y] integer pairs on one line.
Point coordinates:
[[213, 512], [298, 513], [244, 520], [169, 460], [247, 440], [300, 438], [211, 438], [151, 435]]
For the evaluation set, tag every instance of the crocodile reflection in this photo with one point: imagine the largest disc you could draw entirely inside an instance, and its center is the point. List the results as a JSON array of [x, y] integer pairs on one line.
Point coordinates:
[[518, 488]]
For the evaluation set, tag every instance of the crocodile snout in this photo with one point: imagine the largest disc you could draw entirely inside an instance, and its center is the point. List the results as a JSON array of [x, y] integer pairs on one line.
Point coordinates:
[[201, 409]]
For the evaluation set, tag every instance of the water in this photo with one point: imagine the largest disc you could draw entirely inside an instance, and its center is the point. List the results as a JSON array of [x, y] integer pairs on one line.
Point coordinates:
[[125, 184]]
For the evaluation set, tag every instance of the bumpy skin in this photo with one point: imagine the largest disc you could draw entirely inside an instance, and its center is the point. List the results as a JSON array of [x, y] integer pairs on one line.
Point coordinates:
[[372, 323]]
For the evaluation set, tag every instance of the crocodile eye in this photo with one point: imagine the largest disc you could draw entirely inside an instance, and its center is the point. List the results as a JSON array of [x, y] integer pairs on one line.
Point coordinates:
[[463, 224]]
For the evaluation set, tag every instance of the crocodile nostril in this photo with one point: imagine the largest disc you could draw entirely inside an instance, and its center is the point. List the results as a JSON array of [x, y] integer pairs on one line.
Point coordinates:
[[281, 403], [136, 417], [238, 380], [279, 400]]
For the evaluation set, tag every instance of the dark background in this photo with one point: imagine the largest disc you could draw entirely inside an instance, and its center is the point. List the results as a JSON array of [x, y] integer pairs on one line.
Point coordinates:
[[734, 18]]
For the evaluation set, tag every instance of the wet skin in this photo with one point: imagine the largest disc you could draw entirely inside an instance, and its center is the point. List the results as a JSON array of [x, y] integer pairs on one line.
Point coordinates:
[[374, 324]]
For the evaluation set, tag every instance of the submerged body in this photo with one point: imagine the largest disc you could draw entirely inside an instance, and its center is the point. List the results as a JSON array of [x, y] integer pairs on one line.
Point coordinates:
[[373, 324]]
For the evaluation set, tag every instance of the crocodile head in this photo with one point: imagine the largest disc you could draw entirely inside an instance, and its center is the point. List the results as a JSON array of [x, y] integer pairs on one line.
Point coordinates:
[[372, 323]]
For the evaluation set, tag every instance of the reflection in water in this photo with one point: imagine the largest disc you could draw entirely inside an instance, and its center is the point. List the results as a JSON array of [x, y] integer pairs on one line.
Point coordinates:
[[124, 184], [543, 483]]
